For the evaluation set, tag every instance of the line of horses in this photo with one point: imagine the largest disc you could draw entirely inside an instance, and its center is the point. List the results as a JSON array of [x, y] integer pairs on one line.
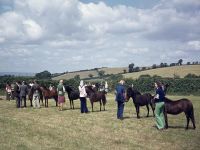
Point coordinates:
[[93, 94], [146, 99]]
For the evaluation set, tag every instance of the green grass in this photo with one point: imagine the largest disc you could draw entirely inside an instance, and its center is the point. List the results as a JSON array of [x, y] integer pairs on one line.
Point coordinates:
[[168, 72], [48, 128]]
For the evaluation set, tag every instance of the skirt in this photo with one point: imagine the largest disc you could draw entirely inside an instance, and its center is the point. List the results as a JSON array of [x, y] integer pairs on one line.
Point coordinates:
[[61, 99]]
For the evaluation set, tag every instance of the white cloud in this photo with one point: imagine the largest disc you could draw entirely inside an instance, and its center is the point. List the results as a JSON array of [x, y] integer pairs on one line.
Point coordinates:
[[32, 29], [46, 30]]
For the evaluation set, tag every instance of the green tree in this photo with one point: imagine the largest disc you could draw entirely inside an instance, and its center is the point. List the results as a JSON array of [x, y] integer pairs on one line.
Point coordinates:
[[90, 75], [180, 61], [43, 75], [101, 73], [130, 67]]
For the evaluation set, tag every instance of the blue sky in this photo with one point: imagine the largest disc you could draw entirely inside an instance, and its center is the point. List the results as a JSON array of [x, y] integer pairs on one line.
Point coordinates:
[[68, 35]]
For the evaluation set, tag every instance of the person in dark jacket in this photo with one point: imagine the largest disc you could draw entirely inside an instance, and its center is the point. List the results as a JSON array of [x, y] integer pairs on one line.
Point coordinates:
[[16, 94], [23, 93], [120, 99], [159, 110]]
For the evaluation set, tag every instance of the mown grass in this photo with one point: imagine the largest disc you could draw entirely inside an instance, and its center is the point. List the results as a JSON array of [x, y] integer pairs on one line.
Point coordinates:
[[48, 128], [167, 72]]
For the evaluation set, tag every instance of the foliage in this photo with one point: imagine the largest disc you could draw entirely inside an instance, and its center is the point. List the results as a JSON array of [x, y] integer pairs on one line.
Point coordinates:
[[43, 75], [130, 67]]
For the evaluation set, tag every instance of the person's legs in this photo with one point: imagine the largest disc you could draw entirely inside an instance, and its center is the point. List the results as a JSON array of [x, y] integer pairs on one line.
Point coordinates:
[[118, 110], [37, 102], [82, 104], [160, 123]]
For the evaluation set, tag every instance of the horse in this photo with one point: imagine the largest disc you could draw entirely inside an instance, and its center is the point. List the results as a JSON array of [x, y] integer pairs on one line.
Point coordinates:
[[49, 94], [177, 107], [30, 95], [140, 100], [72, 95], [96, 96]]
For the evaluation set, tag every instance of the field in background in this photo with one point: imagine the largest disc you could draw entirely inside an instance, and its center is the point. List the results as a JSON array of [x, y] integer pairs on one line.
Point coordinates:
[[85, 74], [170, 72], [180, 71], [48, 128]]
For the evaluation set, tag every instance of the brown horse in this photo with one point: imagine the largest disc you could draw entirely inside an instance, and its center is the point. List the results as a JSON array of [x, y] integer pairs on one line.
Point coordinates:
[[72, 95], [49, 94], [30, 96], [96, 96], [177, 107], [140, 100]]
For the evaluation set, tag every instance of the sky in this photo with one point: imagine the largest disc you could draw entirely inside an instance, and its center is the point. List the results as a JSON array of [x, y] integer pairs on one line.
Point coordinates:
[[70, 35]]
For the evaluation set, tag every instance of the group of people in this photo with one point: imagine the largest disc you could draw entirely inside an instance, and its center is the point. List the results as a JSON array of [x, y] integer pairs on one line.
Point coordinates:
[[159, 101], [20, 90]]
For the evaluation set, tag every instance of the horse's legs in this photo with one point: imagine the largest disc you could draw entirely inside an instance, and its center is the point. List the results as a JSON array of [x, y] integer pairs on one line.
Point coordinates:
[[147, 110], [153, 109], [70, 104], [92, 106], [100, 104], [47, 102], [31, 101], [166, 119], [73, 103], [188, 120], [138, 111]]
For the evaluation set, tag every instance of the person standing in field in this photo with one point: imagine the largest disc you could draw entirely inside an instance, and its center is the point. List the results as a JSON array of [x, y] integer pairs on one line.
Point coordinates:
[[106, 87], [23, 93], [8, 91], [61, 95], [83, 96], [36, 94], [120, 99], [159, 110], [16, 94]]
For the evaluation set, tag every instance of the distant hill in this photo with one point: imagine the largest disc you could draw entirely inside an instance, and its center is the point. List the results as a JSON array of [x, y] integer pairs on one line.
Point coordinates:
[[170, 72], [17, 74], [85, 74]]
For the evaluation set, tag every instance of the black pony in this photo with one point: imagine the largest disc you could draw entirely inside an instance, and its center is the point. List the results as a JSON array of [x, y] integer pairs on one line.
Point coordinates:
[[140, 100], [72, 95], [96, 96], [177, 107]]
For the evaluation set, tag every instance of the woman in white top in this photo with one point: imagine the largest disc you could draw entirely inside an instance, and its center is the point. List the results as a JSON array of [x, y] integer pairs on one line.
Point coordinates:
[[83, 96]]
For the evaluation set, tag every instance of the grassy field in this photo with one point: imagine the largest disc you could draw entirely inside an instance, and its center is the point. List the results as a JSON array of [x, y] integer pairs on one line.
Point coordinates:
[[167, 72], [48, 128]]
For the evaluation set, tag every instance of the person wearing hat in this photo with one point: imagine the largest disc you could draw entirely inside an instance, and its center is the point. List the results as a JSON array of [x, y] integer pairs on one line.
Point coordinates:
[[23, 93], [120, 99], [16, 94], [61, 95], [83, 96]]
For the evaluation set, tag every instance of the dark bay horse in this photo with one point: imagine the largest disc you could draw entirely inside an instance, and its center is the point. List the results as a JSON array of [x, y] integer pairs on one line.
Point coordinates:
[[49, 94], [177, 107], [30, 95], [96, 96], [140, 100], [72, 95]]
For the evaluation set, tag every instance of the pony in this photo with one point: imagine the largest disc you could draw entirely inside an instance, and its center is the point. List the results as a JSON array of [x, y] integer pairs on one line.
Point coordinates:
[[140, 100], [30, 95], [177, 107], [49, 94], [72, 95], [96, 96]]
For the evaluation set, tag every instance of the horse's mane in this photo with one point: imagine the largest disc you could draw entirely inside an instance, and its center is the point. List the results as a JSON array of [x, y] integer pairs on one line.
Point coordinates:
[[168, 100], [68, 88], [90, 88]]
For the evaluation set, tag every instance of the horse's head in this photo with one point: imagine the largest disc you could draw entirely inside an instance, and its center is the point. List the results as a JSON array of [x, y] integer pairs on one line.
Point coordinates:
[[128, 93]]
